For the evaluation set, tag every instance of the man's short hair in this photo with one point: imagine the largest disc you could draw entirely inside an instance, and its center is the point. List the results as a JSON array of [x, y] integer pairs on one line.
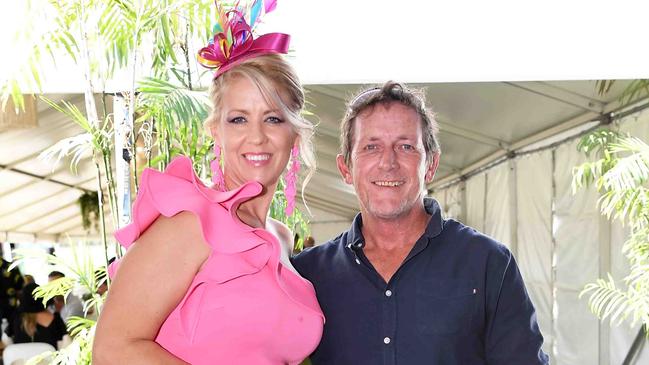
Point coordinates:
[[390, 92], [55, 275]]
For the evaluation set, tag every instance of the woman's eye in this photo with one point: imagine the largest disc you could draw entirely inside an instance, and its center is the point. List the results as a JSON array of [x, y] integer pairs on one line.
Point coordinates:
[[238, 120], [370, 147], [274, 120], [407, 147]]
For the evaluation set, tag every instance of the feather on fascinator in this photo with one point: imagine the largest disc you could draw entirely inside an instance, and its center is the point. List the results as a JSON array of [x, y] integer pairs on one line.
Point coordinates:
[[233, 39]]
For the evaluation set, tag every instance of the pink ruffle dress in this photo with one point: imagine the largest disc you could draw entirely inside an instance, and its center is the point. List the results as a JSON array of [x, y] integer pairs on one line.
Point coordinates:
[[244, 306]]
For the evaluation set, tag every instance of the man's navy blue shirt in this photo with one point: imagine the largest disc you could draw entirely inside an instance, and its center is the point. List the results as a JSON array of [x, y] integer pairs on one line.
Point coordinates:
[[458, 298]]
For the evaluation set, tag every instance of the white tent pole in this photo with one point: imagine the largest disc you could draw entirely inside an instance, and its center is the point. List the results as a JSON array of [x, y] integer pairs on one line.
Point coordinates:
[[513, 208], [553, 273], [604, 268], [604, 239], [463, 210], [123, 128], [484, 203]]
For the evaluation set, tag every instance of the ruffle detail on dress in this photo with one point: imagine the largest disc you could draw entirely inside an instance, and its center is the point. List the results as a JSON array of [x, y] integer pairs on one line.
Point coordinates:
[[237, 249], [178, 189]]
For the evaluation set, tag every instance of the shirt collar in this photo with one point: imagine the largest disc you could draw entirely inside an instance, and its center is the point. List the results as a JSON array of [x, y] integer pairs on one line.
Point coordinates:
[[355, 235]]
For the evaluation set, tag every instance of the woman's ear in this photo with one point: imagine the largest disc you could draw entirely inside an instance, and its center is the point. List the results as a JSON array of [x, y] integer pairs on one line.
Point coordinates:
[[213, 128]]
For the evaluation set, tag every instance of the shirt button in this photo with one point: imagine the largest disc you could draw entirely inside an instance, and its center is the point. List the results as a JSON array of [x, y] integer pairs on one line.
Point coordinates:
[[388, 293], [386, 340]]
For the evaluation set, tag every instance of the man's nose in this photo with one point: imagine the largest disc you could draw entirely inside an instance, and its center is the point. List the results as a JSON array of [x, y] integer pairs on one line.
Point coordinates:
[[388, 159]]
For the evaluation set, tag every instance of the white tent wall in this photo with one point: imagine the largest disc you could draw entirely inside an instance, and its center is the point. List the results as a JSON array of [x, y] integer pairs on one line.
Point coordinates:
[[451, 201], [475, 202], [576, 235], [561, 243], [535, 243], [498, 204]]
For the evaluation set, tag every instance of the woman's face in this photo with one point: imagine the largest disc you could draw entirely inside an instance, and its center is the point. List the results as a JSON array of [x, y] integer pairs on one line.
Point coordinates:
[[255, 138]]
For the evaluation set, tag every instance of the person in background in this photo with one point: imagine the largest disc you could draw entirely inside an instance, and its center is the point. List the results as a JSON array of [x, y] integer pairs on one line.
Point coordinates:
[[28, 279], [309, 241], [68, 306], [34, 323], [404, 285], [57, 302], [11, 282]]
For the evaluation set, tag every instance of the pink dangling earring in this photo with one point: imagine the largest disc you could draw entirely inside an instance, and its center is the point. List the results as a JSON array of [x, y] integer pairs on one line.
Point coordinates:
[[291, 181], [217, 174]]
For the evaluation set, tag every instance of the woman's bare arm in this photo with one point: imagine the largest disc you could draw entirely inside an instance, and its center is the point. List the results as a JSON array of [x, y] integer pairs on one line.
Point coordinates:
[[152, 279]]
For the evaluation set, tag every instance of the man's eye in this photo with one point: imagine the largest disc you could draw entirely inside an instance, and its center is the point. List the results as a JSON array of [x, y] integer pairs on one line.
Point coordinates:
[[238, 120], [370, 147], [274, 120], [408, 147]]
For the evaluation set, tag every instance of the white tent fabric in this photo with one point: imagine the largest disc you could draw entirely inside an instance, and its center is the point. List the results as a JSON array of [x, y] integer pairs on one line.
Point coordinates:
[[535, 245], [561, 243], [497, 209], [575, 230], [475, 193], [451, 202]]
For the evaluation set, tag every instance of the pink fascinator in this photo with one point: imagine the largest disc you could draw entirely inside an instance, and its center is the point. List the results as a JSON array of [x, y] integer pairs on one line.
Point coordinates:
[[233, 39]]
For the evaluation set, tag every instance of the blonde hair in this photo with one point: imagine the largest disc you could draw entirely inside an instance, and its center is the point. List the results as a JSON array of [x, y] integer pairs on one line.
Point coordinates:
[[29, 323], [280, 86]]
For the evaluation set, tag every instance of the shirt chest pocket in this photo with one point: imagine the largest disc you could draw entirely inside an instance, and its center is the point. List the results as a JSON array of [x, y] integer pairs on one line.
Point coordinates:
[[445, 306]]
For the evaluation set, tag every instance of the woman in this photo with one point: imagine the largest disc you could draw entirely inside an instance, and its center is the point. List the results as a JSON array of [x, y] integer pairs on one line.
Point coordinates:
[[208, 280], [35, 323]]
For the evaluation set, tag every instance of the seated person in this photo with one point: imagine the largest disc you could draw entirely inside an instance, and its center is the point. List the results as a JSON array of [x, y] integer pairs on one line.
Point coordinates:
[[34, 323]]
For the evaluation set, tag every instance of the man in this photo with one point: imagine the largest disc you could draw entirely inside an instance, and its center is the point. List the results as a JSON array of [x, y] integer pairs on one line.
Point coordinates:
[[403, 285], [67, 307]]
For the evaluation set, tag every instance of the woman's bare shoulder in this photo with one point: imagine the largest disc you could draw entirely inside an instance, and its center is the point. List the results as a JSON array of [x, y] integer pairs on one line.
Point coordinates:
[[183, 228]]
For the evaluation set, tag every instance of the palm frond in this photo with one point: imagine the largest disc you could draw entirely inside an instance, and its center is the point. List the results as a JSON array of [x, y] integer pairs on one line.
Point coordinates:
[[604, 86], [636, 90], [40, 358], [101, 134], [78, 146], [77, 324], [60, 286], [607, 300], [629, 171], [620, 174], [181, 104], [79, 352]]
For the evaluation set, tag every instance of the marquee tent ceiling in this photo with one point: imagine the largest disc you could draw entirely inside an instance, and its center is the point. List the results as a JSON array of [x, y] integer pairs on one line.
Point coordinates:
[[479, 122]]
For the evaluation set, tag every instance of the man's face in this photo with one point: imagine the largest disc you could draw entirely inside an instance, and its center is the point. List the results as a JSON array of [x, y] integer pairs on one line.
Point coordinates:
[[388, 161]]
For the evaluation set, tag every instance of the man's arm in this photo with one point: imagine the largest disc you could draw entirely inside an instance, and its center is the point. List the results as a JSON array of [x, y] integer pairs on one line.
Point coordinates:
[[512, 335]]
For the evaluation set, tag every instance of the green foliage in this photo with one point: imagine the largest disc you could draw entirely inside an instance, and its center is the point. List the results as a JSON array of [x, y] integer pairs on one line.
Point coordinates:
[[89, 210], [636, 89], [620, 174], [96, 141], [177, 114], [79, 352], [296, 222]]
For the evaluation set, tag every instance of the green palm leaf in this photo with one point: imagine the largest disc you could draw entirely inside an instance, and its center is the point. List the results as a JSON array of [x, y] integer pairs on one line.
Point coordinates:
[[620, 175]]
